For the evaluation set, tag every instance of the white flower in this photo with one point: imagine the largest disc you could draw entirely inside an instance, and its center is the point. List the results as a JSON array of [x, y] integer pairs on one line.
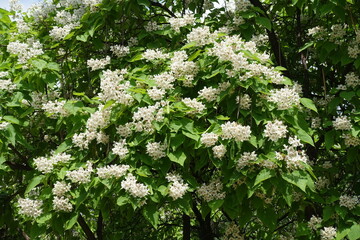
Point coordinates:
[[209, 139], [342, 123], [314, 222], [233, 130], [349, 202], [31, 208], [209, 93], [96, 64], [328, 233], [200, 35], [246, 159], [197, 106], [120, 149], [134, 188], [156, 150], [60, 188], [285, 98], [177, 187], [177, 22], [119, 50], [156, 93], [82, 175], [244, 101], [352, 80], [110, 171], [62, 204], [275, 130], [152, 54], [211, 191], [219, 151], [43, 164]]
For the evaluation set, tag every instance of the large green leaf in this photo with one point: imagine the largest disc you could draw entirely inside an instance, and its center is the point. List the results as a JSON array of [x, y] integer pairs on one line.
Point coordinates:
[[34, 182]]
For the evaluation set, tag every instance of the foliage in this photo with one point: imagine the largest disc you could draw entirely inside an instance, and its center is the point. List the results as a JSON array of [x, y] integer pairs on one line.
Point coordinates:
[[125, 119]]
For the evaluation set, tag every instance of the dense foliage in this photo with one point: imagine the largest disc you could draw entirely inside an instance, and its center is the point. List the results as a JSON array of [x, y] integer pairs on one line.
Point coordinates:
[[145, 119]]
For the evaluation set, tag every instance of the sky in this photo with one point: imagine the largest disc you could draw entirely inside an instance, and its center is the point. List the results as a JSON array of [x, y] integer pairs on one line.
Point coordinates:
[[25, 3]]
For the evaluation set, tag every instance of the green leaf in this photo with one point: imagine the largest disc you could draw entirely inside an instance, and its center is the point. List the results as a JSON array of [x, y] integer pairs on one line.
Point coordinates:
[[145, 3], [151, 213], [135, 58], [354, 232], [39, 64], [296, 178], [308, 103], [178, 156], [329, 139], [216, 204], [122, 200], [12, 119], [264, 22], [264, 175], [71, 222], [189, 45], [268, 217], [305, 137], [307, 45], [33, 183]]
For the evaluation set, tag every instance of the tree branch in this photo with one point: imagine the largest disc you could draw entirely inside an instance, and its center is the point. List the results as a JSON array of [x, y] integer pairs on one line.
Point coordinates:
[[89, 234], [157, 4], [99, 228]]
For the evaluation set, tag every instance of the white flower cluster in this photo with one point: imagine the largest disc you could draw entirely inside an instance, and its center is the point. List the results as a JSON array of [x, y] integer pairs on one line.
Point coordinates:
[[110, 171], [96, 64], [177, 22], [244, 101], [285, 98], [246, 159], [120, 149], [114, 87], [232, 232], [156, 93], [144, 116], [342, 123], [352, 80], [125, 130], [82, 175], [295, 158], [164, 80], [3, 125], [209, 139], [275, 130], [60, 188], [15, 6], [92, 3], [349, 202], [181, 68], [94, 124], [338, 33], [31, 208], [219, 151], [25, 51], [322, 182], [55, 108], [120, 50], [233, 130], [197, 107], [351, 140], [46, 165], [7, 85], [133, 187], [328, 233], [152, 54], [315, 122], [177, 187], [59, 33], [314, 222], [209, 93], [211, 191], [201, 36], [62, 204], [242, 5], [156, 150], [152, 26]]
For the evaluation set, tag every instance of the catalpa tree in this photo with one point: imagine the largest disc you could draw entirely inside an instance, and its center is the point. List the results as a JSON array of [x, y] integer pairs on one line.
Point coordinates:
[[124, 119]]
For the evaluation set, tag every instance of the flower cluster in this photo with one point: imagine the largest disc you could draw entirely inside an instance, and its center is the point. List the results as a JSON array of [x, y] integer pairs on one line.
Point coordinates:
[[211, 191], [232, 232], [177, 22], [294, 158], [25, 51], [200, 35], [153, 54], [233, 130], [244, 101], [110, 171], [120, 149], [55, 108], [181, 68], [144, 116], [349, 202], [275, 130], [96, 64], [60, 188], [31, 208], [133, 187], [82, 175], [156, 150], [62, 204], [177, 187], [352, 80], [328, 233], [209, 139], [219, 151], [197, 107], [342, 123], [314, 222], [285, 98], [120, 50], [351, 140], [46, 165], [246, 159]]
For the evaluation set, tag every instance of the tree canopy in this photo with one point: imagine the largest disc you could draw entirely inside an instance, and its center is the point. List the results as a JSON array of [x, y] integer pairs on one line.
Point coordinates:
[[157, 119]]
